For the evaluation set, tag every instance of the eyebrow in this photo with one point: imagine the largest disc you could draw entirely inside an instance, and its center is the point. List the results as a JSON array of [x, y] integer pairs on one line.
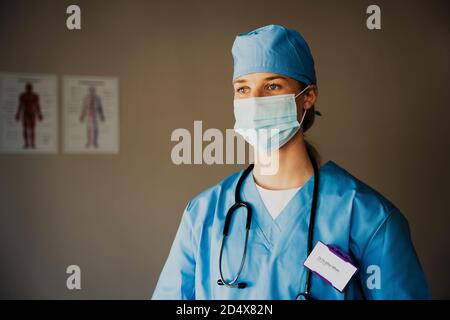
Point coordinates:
[[266, 79]]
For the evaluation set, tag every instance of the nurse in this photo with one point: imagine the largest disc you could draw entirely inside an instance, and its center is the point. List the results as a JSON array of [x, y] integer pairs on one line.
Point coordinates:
[[275, 88]]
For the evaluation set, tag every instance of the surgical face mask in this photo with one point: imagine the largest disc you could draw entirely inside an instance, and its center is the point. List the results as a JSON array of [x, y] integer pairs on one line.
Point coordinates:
[[267, 123]]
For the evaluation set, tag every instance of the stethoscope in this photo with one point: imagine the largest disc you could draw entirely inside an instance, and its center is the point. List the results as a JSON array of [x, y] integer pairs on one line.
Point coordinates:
[[306, 295]]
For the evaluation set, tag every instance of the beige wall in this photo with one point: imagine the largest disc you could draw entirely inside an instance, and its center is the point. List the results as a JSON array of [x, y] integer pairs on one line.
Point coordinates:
[[384, 95]]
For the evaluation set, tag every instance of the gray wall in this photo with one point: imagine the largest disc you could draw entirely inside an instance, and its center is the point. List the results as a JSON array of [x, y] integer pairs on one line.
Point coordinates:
[[384, 95]]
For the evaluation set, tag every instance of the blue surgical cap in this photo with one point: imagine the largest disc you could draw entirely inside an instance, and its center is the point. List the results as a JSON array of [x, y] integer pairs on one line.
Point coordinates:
[[274, 49]]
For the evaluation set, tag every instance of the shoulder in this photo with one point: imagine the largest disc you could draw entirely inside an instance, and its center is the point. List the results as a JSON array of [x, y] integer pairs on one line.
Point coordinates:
[[368, 211], [206, 201], [364, 200]]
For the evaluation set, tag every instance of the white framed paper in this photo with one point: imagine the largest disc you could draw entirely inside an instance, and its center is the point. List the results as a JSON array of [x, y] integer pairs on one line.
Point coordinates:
[[28, 113], [90, 114]]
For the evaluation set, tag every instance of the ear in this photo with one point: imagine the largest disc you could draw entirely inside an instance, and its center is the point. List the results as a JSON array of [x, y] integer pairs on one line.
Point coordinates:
[[310, 96]]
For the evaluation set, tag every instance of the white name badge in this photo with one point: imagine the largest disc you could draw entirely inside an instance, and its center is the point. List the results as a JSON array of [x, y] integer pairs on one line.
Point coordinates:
[[331, 264]]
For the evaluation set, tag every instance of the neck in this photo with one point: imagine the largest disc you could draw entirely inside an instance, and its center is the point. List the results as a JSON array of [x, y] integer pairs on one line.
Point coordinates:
[[295, 167]]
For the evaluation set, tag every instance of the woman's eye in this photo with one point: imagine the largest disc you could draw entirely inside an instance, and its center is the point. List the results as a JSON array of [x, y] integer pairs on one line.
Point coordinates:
[[241, 90], [273, 86]]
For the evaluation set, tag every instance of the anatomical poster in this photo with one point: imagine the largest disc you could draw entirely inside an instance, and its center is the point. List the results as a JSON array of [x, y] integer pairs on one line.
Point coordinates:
[[28, 113], [91, 114]]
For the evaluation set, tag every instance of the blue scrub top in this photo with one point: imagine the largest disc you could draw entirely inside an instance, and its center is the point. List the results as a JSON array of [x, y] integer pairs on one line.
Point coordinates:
[[350, 215]]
